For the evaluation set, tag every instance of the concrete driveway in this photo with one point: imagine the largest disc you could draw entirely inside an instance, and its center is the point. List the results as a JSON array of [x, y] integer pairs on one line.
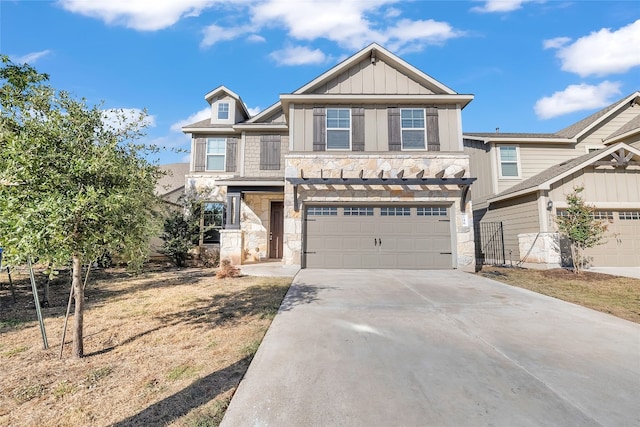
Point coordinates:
[[437, 348]]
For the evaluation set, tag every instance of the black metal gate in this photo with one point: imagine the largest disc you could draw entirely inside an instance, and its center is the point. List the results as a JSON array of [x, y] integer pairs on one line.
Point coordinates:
[[490, 244]]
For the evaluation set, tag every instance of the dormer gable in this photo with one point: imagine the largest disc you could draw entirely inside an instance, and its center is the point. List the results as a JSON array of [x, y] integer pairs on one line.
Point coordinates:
[[227, 107]]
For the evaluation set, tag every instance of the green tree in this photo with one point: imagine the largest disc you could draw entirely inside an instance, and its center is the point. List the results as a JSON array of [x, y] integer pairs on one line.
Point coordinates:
[[578, 225], [180, 234], [72, 185]]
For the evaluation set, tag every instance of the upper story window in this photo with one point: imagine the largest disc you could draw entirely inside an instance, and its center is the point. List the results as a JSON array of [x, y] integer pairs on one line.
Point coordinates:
[[508, 156], [216, 152], [338, 129], [223, 111], [413, 128]]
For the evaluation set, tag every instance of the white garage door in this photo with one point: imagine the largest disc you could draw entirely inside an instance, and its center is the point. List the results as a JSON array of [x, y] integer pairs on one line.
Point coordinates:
[[411, 237], [622, 247]]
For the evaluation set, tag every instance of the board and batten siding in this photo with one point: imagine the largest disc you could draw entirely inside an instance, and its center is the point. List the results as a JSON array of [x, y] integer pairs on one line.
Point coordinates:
[[601, 186], [376, 127], [367, 78], [480, 166], [518, 215]]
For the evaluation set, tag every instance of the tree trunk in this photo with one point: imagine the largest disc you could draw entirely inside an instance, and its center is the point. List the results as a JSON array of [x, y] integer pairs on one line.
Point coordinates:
[[78, 295]]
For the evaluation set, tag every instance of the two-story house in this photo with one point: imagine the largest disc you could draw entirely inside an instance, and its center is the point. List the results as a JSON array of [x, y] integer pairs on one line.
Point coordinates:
[[524, 179], [362, 167]]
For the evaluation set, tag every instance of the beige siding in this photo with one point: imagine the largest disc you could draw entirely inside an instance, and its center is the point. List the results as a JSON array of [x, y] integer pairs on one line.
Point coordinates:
[[376, 128], [601, 185], [367, 78], [608, 127], [480, 167], [535, 158], [635, 144], [277, 117], [252, 157], [518, 216]]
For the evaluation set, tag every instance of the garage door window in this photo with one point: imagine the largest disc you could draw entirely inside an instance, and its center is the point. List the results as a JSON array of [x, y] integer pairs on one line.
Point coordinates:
[[322, 211], [608, 215], [395, 211], [432, 211], [358, 211], [630, 215]]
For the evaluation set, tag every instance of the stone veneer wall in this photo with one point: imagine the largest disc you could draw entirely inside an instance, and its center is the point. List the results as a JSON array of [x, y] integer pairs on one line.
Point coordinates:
[[391, 164], [252, 157], [254, 219], [540, 250]]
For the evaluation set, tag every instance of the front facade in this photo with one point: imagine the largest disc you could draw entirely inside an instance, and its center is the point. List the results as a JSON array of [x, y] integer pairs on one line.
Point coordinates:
[[363, 167], [526, 178]]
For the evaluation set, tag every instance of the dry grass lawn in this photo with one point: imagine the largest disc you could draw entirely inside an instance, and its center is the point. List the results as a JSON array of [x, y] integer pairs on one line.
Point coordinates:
[[619, 296], [167, 347]]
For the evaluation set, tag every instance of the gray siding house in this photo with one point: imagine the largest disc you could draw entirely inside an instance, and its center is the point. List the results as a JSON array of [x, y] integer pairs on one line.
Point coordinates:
[[524, 179], [362, 167]]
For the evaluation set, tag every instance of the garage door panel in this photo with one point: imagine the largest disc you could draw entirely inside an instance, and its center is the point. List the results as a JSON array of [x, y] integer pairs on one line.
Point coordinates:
[[622, 243], [365, 238]]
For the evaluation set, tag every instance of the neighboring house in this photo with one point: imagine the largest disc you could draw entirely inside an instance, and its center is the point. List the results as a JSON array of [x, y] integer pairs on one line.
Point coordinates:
[[523, 180], [363, 167], [170, 188]]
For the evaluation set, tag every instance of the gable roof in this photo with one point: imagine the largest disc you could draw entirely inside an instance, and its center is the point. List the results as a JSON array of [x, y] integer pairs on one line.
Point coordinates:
[[544, 179], [571, 133], [374, 51], [173, 180], [633, 126]]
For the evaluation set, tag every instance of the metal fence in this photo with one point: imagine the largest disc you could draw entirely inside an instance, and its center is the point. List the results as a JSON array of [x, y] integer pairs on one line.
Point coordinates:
[[490, 244]]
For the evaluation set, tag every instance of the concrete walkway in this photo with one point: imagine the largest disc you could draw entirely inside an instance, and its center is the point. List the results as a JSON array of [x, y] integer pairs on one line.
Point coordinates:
[[633, 272], [269, 269], [437, 348]]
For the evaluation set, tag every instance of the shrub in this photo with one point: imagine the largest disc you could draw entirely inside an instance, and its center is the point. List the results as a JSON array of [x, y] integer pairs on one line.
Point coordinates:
[[227, 270]]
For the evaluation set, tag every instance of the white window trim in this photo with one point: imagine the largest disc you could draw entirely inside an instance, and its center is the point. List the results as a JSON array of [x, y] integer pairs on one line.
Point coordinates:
[[424, 117], [518, 163], [221, 103], [327, 129], [223, 155]]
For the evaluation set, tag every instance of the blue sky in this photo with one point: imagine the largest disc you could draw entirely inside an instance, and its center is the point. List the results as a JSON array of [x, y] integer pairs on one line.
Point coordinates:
[[533, 66]]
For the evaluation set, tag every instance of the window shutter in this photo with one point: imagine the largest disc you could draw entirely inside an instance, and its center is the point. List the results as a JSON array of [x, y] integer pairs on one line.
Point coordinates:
[[270, 152], [395, 138], [200, 155], [319, 129], [357, 129], [232, 154], [433, 131]]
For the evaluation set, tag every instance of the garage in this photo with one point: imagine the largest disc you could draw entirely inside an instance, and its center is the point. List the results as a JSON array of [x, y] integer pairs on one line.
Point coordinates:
[[622, 242], [393, 236]]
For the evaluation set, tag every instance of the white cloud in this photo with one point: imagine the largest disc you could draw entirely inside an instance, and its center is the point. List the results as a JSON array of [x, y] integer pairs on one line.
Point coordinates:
[[205, 113], [253, 111], [298, 55], [255, 38], [140, 15], [603, 52], [577, 98], [421, 31], [214, 34], [30, 58], [120, 118], [556, 43], [491, 6]]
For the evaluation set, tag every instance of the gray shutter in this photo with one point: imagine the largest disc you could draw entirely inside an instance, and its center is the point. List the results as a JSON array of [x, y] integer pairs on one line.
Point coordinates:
[[433, 131], [395, 138], [319, 129], [200, 155], [270, 152], [357, 129], [232, 154]]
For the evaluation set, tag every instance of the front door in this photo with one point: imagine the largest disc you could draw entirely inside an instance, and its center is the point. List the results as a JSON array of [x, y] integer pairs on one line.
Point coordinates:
[[276, 225]]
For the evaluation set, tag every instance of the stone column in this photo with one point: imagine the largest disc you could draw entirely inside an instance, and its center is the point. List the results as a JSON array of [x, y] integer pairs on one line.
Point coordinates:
[[231, 246]]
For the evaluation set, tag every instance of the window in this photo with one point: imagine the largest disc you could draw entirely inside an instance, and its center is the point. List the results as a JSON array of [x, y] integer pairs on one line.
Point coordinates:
[[322, 211], [223, 111], [395, 211], [358, 211], [432, 211], [412, 128], [508, 156], [213, 219], [216, 151], [629, 215], [338, 129], [608, 215]]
